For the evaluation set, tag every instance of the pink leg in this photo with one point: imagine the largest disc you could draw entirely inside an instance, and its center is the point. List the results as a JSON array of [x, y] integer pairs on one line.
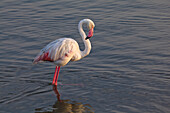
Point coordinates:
[[57, 75]]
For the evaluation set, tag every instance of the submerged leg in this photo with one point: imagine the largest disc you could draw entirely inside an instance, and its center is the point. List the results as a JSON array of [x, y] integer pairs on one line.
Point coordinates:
[[55, 75]]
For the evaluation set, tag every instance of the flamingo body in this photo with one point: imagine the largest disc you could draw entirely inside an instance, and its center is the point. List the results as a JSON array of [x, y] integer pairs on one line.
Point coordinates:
[[60, 51], [63, 50]]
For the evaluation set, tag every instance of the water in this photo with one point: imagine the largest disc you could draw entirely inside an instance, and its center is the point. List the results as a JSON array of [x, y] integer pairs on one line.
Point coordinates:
[[127, 71]]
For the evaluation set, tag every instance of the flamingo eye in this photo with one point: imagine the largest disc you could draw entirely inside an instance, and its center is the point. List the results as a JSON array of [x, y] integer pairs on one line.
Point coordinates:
[[89, 26]]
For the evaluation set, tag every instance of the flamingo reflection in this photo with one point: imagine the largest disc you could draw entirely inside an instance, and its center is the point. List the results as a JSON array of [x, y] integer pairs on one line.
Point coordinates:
[[65, 106], [57, 93]]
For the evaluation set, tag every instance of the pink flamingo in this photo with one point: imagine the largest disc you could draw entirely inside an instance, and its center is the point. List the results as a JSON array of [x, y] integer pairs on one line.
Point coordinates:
[[63, 50]]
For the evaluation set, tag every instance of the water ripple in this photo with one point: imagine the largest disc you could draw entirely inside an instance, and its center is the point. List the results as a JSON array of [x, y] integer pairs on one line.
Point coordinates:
[[126, 71]]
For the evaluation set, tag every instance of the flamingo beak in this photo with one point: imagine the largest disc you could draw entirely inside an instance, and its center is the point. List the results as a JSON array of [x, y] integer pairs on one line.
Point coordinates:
[[90, 33]]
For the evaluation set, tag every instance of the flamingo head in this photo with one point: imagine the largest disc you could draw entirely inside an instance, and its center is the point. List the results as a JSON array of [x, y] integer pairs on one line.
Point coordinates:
[[90, 26]]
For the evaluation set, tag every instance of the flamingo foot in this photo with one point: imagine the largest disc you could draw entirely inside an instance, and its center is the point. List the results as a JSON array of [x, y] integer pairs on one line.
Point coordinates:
[[55, 84]]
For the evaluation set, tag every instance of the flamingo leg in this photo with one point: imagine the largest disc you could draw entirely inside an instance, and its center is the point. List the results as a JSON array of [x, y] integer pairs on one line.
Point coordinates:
[[55, 75]]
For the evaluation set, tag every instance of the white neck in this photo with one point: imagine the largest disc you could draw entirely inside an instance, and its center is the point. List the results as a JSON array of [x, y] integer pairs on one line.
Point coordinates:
[[86, 42]]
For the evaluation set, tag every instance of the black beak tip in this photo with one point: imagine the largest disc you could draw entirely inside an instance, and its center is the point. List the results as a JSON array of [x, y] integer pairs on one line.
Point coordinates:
[[87, 37]]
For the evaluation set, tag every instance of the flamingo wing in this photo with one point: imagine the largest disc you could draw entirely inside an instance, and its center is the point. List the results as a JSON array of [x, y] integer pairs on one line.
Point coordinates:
[[58, 50]]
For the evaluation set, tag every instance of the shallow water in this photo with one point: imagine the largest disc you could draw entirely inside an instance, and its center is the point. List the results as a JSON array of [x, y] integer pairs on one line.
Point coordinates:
[[128, 69]]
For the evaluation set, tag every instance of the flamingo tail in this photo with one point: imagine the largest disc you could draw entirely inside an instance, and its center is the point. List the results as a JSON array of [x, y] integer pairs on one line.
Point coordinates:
[[42, 57]]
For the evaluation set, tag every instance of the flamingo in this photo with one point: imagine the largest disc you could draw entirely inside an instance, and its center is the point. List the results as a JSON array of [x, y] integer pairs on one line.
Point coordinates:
[[63, 50]]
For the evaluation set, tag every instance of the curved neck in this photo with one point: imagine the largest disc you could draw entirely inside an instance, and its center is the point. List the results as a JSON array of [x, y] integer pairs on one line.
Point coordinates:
[[86, 42]]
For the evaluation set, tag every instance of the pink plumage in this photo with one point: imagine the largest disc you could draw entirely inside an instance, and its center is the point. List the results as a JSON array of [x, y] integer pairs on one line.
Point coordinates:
[[62, 49]]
